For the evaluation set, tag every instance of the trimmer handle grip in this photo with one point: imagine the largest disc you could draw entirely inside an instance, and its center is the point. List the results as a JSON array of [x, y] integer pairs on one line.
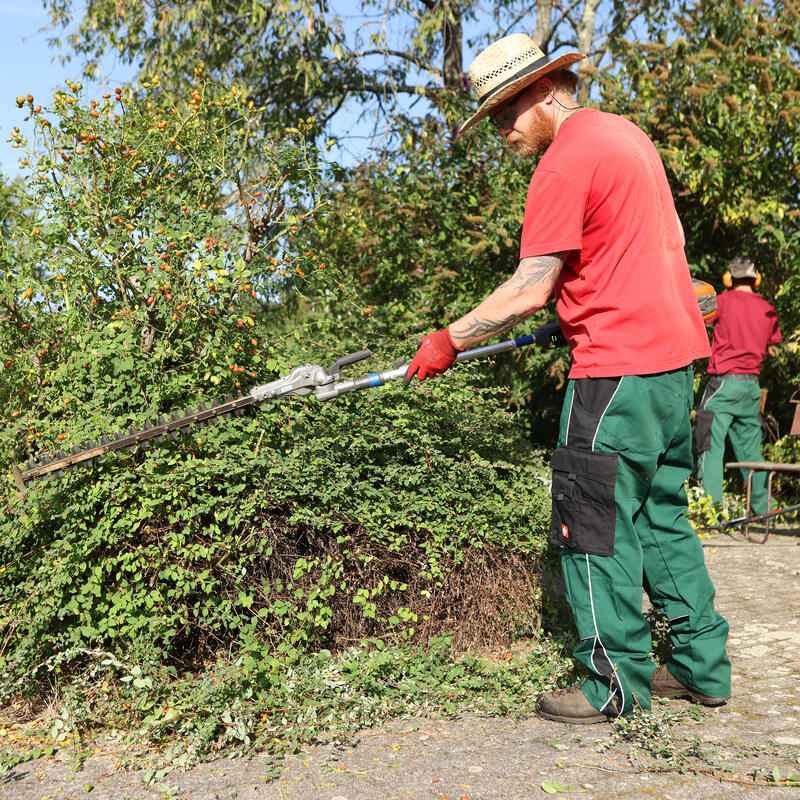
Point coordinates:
[[335, 368]]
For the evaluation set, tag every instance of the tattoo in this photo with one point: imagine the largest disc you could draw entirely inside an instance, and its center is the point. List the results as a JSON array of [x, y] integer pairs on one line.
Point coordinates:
[[536, 269], [522, 294], [488, 327]]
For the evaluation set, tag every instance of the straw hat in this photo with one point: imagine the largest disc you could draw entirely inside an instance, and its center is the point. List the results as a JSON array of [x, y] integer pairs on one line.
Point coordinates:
[[505, 68]]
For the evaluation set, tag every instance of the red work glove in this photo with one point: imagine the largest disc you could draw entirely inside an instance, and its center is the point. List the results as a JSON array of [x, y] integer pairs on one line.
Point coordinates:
[[436, 353]]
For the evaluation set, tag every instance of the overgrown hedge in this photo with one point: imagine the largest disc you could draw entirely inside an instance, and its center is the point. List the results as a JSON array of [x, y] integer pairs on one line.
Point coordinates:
[[397, 516], [157, 255]]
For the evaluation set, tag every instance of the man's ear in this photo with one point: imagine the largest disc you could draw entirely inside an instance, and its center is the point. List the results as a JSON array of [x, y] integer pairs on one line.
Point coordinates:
[[544, 86]]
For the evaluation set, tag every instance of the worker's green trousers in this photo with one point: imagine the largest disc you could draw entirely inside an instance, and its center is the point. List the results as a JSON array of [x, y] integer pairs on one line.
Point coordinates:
[[624, 452], [730, 407]]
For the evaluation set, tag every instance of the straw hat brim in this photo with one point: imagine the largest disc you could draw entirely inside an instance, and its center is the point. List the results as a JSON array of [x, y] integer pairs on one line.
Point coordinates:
[[510, 89]]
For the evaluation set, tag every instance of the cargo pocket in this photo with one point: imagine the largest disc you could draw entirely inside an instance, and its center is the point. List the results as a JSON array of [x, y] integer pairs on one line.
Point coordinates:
[[702, 430], [584, 512]]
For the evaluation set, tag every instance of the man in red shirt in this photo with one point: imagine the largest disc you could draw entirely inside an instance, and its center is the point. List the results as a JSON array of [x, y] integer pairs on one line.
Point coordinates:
[[600, 231], [745, 328]]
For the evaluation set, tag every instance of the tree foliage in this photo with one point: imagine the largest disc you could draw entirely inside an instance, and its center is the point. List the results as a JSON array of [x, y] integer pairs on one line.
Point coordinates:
[[721, 99], [283, 54], [316, 58], [427, 231], [123, 239]]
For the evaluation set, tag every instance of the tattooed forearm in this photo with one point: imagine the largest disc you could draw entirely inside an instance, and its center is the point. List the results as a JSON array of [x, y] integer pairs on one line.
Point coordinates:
[[524, 293], [487, 327], [535, 270]]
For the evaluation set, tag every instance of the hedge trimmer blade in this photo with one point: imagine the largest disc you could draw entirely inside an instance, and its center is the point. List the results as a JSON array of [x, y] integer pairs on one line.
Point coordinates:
[[55, 464], [300, 381]]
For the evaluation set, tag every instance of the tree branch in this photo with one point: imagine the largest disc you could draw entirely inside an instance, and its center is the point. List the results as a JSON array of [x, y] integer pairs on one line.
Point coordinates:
[[399, 54]]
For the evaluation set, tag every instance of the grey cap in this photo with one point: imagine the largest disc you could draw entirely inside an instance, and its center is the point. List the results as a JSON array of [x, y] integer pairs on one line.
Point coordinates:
[[742, 268]]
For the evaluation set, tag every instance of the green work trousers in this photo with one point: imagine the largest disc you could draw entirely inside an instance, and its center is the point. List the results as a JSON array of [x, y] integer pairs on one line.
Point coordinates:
[[625, 450], [731, 407]]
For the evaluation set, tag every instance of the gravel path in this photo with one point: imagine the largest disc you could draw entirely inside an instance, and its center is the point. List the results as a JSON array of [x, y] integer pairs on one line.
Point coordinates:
[[474, 758]]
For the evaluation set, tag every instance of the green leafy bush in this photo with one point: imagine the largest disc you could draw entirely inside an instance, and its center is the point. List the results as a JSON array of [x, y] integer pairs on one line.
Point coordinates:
[[152, 260], [303, 525]]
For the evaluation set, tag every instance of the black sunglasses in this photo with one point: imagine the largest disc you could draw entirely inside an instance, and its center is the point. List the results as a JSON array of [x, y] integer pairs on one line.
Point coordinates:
[[505, 118]]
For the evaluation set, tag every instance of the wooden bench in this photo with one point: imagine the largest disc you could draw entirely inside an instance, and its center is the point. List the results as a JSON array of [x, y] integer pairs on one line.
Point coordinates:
[[771, 467]]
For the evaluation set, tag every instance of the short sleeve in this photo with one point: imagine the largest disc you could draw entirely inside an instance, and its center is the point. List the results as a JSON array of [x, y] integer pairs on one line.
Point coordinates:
[[554, 212]]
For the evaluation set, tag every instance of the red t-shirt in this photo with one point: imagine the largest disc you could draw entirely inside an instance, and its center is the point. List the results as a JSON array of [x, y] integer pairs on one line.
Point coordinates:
[[744, 326], [624, 296]]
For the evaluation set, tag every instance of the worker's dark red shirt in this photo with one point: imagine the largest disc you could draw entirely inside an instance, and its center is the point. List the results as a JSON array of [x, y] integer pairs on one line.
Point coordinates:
[[744, 327], [624, 296]]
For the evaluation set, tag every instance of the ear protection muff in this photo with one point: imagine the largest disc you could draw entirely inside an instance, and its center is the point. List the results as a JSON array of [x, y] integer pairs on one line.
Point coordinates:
[[727, 280]]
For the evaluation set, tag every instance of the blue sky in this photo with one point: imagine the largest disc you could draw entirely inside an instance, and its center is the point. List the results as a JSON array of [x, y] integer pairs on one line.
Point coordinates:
[[29, 66]]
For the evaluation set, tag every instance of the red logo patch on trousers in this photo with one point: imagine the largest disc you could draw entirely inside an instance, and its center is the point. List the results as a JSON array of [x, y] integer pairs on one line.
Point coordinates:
[[565, 531]]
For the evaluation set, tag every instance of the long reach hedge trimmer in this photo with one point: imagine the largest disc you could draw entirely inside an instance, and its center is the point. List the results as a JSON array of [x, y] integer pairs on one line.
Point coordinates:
[[301, 381]]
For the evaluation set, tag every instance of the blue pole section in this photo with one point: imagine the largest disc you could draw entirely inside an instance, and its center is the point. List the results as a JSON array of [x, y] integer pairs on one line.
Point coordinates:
[[548, 337], [491, 349]]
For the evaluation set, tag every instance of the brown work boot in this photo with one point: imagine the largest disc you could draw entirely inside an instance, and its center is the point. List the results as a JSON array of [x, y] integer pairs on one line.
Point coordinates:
[[663, 684], [568, 705]]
